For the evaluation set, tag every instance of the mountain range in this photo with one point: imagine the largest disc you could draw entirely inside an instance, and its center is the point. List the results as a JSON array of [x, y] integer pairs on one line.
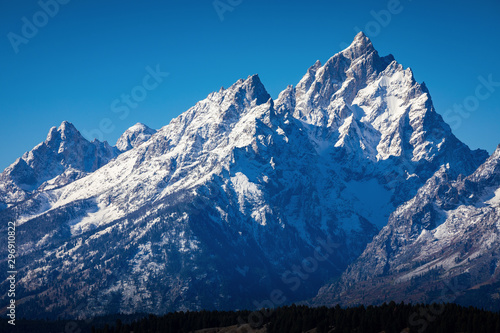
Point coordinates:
[[348, 188]]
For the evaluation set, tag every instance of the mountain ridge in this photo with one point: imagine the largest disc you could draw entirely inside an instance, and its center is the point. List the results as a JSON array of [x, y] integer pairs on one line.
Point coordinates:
[[423, 246], [239, 183], [64, 156]]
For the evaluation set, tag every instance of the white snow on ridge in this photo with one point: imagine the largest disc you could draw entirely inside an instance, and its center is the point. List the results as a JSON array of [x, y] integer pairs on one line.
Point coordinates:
[[246, 190], [495, 201]]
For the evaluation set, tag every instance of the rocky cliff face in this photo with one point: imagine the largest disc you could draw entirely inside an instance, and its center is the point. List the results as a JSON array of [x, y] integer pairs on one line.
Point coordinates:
[[444, 242]]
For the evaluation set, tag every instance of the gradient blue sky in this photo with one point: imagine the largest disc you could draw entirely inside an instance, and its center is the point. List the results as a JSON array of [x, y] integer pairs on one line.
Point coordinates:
[[91, 52]]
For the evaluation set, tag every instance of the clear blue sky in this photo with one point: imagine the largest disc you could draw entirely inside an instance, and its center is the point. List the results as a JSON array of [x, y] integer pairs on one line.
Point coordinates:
[[81, 60]]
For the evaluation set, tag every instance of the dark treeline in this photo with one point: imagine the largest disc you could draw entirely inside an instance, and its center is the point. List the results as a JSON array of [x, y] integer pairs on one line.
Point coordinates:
[[392, 317]]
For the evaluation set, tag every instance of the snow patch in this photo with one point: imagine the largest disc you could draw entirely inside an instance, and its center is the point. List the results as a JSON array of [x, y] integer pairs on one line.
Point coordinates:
[[495, 201]]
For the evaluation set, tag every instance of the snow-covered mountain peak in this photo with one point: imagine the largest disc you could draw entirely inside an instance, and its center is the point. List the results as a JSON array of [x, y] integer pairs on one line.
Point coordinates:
[[134, 136], [315, 67], [361, 37], [241, 94], [360, 46], [323, 97], [253, 90], [63, 157], [65, 131], [67, 126], [373, 109], [286, 100]]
